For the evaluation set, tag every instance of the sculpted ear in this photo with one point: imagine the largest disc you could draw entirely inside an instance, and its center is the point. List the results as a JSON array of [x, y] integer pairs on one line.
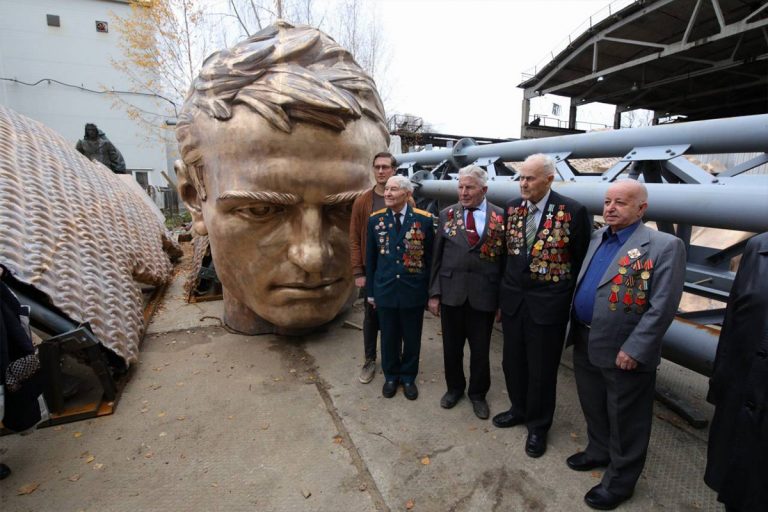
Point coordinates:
[[190, 195]]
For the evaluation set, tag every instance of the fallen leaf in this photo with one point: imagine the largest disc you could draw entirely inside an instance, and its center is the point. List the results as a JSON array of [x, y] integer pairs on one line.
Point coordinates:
[[181, 418], [195, 372], [57, 429], [98, 465], [472, 429], [364, 408], [27, 489], [230, 417], [180, 383], [338, 439], [214, 484], [409, 504], [306, 493], [163, 434], [142, 411], [90, 459], [77, 434], [148, 455], [425, 460], [292, 370], [161, 414], [574, 435], [264, 426], [74, 478]]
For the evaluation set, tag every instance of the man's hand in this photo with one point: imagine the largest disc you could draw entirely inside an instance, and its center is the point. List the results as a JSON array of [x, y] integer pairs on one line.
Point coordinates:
[[434, 305], [371, 301], [625, 362], [360, 282]]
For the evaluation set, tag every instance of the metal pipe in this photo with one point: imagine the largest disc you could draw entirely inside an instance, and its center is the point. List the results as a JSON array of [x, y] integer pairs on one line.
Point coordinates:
[[744, 134], [727, 206], [691, 345], [42, 317]]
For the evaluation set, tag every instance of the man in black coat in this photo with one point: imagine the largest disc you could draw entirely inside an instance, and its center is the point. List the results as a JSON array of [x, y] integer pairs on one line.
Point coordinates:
[[738, 436], [546, 238]]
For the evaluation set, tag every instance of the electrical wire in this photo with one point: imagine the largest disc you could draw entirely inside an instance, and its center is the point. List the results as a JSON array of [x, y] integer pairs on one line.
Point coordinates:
[[83, 88]]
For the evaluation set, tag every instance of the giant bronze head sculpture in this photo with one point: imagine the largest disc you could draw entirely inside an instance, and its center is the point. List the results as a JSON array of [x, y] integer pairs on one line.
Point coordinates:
[[276, 136]]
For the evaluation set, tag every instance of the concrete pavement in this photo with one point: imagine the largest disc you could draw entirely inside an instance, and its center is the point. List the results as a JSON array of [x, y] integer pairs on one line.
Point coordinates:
[[214, 421]]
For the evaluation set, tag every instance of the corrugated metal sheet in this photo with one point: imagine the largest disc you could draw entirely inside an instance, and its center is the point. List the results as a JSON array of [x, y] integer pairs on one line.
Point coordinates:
[[76, 232]]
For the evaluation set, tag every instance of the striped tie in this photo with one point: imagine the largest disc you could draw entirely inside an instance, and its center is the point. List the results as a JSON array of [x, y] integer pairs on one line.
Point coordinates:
[[530, 226]]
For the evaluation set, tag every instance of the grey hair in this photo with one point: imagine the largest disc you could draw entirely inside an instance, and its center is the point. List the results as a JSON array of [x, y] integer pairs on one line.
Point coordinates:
[[285, 74], [546, 162], [402, 182], [476, 172]]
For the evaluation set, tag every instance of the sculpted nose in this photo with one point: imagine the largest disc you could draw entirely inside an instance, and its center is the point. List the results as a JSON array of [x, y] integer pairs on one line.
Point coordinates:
[[310, 248]]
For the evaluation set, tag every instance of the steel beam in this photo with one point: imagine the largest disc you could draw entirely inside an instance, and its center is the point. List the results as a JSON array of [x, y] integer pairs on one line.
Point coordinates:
[[747, 134], [733, 206]]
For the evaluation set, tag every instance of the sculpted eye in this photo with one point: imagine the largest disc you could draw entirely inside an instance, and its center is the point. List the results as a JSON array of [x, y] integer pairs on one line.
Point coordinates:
[[339, 209], [261, 211]]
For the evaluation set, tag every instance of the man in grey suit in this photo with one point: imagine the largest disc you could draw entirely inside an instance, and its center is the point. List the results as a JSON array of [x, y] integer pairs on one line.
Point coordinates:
[[627, 294], [464, 286]]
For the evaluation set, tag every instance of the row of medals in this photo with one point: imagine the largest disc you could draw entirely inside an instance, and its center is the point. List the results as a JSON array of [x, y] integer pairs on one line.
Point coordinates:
[[544, 268], [414, 249], [643, 272]]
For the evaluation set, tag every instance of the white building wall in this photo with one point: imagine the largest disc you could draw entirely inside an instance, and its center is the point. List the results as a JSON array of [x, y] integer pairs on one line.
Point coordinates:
[[76, 54]]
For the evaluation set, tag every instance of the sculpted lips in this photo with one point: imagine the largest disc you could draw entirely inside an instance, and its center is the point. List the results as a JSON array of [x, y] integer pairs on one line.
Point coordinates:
[[309, 289]]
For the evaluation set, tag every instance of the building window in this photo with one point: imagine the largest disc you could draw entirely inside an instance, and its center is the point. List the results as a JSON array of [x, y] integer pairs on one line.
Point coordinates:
[[53, 20], [142, 178], [102, 26], [555, 109]]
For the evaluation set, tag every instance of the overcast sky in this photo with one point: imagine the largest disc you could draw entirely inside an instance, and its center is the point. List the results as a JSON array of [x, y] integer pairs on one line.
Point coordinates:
[[456, 63]]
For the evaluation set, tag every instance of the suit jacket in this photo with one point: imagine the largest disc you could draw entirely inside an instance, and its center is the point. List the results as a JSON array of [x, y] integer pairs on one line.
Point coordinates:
[[636, 328], [397, 266], [738, 436], [543, 275], [461, 271]]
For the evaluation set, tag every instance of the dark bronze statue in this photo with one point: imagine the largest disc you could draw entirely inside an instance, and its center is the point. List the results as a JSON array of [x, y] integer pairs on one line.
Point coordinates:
[[97, 147]]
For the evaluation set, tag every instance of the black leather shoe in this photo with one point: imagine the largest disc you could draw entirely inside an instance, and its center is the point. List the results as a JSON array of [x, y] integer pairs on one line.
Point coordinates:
[[389, 389], [507, 419], [582, 462], [481, 409], [410, 390], [602, 499], [450, 398], [5, 471], [536, 444]]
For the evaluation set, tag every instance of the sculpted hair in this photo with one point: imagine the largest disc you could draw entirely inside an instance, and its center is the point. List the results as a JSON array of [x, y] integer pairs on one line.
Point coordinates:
[[402, 182], [286, 74], [546, 161], [476, 172]]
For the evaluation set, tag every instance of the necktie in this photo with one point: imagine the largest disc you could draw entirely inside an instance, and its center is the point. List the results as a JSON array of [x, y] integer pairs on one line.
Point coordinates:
[[398, 222], [472, 235], [530, 226]]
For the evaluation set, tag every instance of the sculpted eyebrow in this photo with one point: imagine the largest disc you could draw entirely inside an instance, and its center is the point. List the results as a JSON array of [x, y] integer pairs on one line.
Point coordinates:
[[266, 196], [343, 197]]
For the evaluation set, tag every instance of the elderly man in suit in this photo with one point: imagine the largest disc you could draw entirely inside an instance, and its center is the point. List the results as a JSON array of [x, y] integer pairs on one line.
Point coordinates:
[[464, 286], [626, 297], [398, 255], [546, 238]]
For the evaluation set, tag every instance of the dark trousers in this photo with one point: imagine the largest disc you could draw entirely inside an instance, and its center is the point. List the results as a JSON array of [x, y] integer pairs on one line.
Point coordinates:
[[464, 323], [370, 331], [531, 358], [618, 407], [400, 342]]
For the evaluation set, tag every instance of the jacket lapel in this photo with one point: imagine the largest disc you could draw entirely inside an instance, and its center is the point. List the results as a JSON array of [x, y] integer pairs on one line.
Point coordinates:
[[407, 221], [638, 240]]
